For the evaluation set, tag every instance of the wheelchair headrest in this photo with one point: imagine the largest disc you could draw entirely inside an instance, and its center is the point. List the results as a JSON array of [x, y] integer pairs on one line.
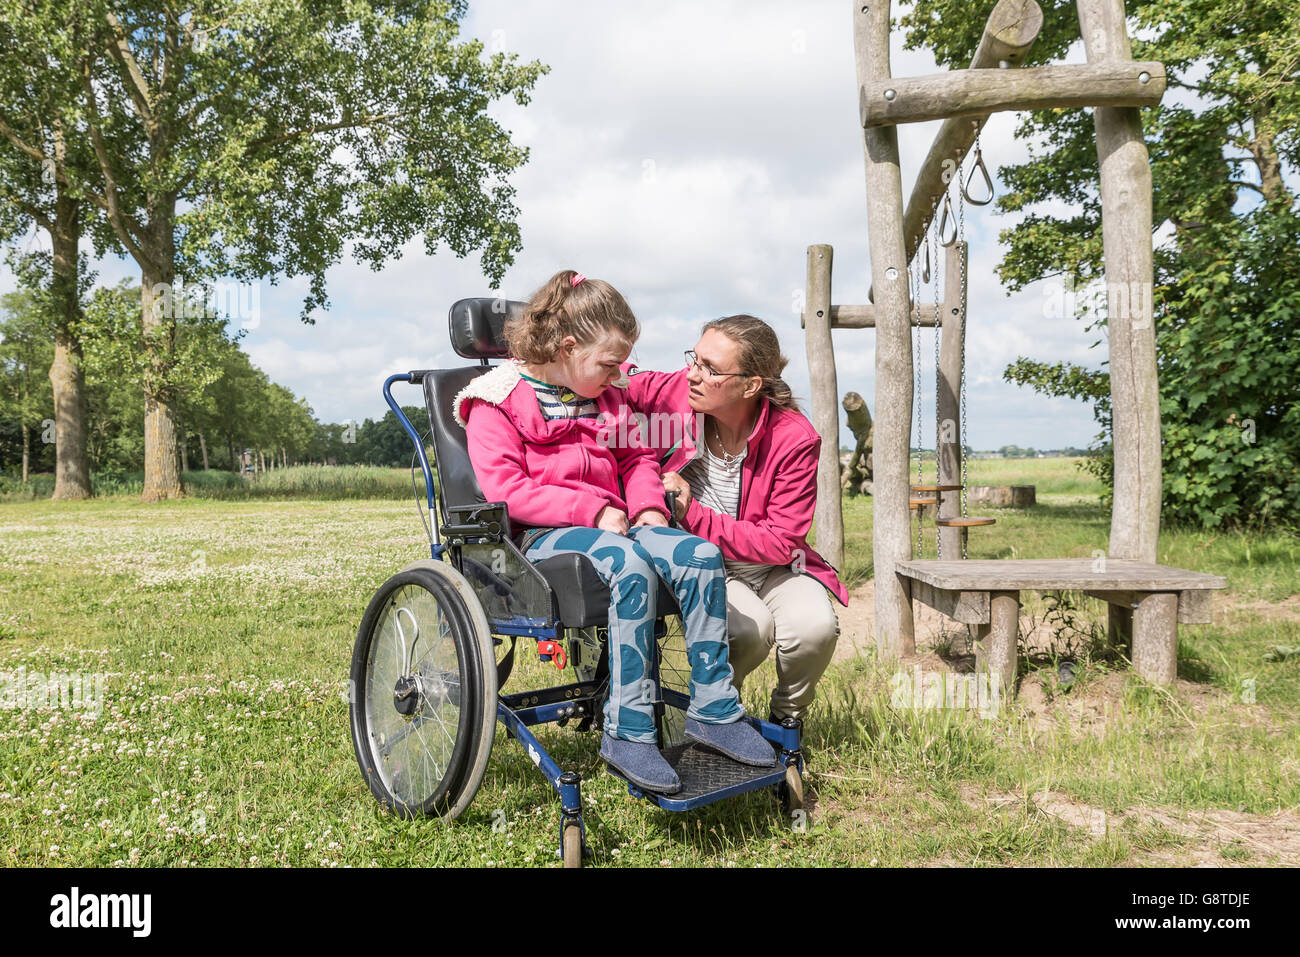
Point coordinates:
[[477, 326]]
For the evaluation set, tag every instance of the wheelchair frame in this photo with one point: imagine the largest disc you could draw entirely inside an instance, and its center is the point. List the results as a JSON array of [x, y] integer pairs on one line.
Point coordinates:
[[464, 531]]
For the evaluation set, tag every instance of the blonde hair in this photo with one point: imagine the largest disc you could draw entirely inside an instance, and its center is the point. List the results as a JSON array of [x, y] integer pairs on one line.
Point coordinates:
[[589, 311], [760, 355]]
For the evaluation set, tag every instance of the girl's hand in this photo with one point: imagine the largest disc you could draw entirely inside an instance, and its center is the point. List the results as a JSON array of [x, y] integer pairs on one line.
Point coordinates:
[[610, 519], [675, 483], [651, 516]]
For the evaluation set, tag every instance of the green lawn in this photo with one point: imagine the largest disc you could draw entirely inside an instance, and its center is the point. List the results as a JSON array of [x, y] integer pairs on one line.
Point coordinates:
[[222, 632]]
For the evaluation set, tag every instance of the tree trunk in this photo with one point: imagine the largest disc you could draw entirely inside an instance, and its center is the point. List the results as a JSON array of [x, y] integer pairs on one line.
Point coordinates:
[[236, 466], [67, 374], [162, 479], [27, 451], [1264, 151], [184, 442], [203, 449]]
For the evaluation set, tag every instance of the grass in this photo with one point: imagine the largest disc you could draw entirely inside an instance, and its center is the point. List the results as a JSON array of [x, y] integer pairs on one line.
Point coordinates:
[[315, 482], [222, 632]]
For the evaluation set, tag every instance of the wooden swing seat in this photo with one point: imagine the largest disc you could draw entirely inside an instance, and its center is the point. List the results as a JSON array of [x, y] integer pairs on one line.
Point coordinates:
[[964, 522], [936, 488], [918, 502]]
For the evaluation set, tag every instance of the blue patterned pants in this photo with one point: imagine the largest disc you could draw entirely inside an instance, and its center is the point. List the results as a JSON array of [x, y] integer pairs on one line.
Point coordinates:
[[629, 564]]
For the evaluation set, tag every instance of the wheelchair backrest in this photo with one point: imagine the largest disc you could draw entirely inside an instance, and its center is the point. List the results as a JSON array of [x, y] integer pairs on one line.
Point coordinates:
[[476, 327]]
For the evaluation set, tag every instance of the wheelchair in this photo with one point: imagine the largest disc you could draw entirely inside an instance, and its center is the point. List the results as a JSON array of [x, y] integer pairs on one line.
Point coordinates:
[[427, 688]]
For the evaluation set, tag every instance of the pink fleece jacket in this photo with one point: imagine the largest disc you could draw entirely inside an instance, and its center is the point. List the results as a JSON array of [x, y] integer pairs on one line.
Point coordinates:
[[778, 479], [555, 472]]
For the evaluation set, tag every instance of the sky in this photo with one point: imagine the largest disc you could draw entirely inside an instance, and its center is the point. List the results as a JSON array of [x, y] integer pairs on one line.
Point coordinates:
[[688, 154]]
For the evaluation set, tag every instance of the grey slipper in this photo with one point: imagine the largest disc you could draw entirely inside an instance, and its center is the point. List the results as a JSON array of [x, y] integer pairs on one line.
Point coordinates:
[[641, 763], [737, 740]]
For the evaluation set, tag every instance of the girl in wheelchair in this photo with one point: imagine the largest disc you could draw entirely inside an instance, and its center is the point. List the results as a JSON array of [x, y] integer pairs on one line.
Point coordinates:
[[544, 437]]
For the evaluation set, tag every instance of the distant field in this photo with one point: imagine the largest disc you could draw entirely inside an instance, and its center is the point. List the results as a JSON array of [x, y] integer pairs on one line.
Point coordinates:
[[320, 482], [222, 632]]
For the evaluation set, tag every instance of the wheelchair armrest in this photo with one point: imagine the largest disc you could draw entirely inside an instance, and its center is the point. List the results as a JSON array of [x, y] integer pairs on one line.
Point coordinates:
[[476, 524]]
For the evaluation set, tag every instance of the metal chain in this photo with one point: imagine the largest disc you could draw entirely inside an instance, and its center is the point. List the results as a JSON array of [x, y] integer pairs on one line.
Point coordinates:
[[962, 415], [914, 275], [938, 425]]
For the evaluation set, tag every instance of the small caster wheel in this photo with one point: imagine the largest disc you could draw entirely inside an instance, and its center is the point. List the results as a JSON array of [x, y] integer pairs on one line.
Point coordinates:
[[790, 791], [571, 850]]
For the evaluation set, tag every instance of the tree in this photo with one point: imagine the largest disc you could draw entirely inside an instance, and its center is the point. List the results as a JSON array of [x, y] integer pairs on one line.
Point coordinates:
[[1227, 282], [41, 160], [250, 140], [25, 358]]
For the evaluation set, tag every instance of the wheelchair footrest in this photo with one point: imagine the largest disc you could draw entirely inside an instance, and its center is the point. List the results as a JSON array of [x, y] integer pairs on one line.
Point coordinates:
[[708, 776]]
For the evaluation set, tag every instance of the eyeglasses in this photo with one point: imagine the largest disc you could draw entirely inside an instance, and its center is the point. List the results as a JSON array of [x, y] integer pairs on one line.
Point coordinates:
[[694, 361]]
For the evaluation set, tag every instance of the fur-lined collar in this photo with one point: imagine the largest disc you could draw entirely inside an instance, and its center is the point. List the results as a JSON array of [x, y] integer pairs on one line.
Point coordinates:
[[494, 387]]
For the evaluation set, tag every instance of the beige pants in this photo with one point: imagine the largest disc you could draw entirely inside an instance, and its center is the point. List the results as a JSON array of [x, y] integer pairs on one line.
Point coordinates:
[[793, 613]]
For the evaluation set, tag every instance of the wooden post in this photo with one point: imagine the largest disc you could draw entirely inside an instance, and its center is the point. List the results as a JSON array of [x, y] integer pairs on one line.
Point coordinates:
[[949, 411], [1155, 637], [825, 411], [1126, 248], [891, 532], [995, 642]]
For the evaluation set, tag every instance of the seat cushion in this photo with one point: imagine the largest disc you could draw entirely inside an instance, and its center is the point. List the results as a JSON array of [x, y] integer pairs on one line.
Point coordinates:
[[581, 595]]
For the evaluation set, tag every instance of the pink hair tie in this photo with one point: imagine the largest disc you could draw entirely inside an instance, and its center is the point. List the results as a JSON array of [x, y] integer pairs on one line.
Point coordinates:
[[577, 279]]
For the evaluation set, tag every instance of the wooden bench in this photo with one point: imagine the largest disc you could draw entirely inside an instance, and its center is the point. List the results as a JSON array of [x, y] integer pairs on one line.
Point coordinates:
[[1147, 603]]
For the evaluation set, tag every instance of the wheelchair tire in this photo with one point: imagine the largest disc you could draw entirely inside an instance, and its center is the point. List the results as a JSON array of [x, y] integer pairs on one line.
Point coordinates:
[[674, 672], [571, 846], [423, 708]]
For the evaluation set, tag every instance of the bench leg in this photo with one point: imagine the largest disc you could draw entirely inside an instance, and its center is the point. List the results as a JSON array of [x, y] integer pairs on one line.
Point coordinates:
[[1119, 625], [1155, 637], [995, 645]]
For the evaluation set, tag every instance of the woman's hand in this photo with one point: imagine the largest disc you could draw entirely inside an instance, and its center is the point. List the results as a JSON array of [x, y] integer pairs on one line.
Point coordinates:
[[673, 482], [611, 519], [651, 516]]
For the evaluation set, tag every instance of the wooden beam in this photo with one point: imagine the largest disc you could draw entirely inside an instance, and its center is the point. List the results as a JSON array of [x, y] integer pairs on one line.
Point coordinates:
[[891, 540], [1126, 248], [1011, 30], [967, 607], [1193, 604], [864, 317], [825, 403], [918, 99], [948, 413]]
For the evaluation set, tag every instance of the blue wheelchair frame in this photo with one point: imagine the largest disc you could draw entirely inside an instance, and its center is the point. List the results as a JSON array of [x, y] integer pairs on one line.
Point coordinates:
[[519, 711]]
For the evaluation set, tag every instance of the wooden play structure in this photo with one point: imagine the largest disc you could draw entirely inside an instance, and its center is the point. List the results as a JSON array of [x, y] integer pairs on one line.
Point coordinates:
[[1146, 601]]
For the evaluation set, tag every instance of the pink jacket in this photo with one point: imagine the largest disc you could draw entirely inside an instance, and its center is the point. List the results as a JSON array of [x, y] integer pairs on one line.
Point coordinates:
[[554, 472], [778, 479]]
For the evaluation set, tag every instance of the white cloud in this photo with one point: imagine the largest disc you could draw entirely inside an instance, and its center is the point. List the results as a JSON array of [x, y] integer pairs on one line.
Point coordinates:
[[689, 154]]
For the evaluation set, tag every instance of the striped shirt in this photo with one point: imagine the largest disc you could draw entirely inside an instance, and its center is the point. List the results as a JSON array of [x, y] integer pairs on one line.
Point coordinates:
[[718, 487], [557, 402]]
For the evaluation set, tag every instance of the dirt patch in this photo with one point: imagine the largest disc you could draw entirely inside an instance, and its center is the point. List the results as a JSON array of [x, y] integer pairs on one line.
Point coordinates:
[[1093, 709], [932, 629], [1227, 606], [1216, 838]]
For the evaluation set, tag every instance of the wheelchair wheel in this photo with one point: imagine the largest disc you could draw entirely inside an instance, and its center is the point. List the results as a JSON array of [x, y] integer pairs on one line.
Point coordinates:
[[790, 791], [674, 673], [571, 846], [423, 692]]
